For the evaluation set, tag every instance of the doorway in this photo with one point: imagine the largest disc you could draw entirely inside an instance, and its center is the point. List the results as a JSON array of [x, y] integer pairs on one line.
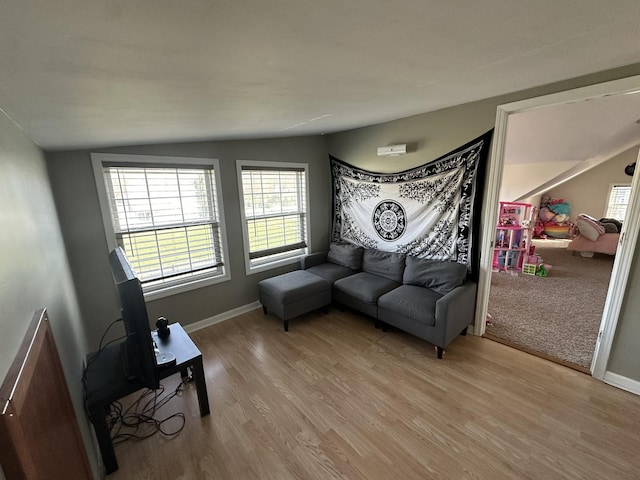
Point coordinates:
[[628, 238], [542, 315]]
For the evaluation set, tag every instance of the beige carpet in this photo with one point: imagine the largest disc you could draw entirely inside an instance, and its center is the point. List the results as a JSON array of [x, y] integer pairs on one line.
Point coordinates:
[[559, 315]]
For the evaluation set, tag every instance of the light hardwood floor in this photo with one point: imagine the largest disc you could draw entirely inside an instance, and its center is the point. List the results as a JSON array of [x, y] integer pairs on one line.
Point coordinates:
[[336, 398]]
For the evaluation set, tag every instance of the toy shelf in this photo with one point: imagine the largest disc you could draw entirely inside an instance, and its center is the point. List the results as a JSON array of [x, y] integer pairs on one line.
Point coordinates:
[[513, 236]]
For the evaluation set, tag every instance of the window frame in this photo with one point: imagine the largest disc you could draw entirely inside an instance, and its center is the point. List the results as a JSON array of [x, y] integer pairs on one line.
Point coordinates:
[[250, 267], [608, 200], [182, 284]]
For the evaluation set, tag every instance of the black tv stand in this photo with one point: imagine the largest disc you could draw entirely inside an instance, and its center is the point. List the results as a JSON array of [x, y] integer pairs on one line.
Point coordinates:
[[106, 383]]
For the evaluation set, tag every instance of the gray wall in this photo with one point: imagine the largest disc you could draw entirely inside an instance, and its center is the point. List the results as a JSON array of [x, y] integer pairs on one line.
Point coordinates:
[[625, 351], [77, 201], [588, 192], [433, 134], [35, 272]]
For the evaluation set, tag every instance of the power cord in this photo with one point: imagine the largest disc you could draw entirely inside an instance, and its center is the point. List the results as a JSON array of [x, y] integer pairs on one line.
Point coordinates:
[[90, 361], [138, 421], [125, 424]]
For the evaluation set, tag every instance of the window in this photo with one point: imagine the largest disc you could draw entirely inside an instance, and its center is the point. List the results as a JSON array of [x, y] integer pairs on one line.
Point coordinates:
[[618, 200], [274, 213], [165, 212]]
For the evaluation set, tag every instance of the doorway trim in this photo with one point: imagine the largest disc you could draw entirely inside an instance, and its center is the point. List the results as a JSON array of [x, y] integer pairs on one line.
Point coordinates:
[[628, 236]]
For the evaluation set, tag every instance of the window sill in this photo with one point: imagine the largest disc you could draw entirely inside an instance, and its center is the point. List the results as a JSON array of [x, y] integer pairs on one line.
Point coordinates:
[[185, 287], [271, 265]]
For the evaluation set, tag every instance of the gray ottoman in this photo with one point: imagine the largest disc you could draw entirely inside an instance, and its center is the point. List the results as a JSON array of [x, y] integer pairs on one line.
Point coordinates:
[[292, 294]]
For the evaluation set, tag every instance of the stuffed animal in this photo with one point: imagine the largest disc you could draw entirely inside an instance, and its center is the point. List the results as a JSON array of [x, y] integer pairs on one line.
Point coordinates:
[[560, 207], [561, 218], [545, 214], [542, 271], [553, 218], [545, 200]]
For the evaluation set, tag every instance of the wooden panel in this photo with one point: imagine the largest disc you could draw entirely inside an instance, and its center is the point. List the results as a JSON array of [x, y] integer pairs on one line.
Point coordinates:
[[39, 433]]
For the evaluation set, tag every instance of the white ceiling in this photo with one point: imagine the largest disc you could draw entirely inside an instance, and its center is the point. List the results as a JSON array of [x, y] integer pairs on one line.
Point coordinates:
[[80, 73]]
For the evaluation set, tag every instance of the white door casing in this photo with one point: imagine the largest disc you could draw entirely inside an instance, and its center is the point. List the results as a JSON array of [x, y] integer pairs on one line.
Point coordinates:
[[628, 236]]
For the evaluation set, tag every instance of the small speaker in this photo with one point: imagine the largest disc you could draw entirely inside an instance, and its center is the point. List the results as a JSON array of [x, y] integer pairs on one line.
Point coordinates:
[[163, 328]]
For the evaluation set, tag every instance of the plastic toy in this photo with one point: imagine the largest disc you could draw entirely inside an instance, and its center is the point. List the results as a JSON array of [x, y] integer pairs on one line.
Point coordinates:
[[542, 271]]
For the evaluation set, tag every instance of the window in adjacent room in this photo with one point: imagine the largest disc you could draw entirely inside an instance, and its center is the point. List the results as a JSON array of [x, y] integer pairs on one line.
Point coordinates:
[[274, 210], [617, 201], [166, 213]]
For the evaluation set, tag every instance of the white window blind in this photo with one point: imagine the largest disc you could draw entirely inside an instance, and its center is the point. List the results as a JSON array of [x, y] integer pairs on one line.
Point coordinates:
[[275, 212], [166, 219], [618, 200]]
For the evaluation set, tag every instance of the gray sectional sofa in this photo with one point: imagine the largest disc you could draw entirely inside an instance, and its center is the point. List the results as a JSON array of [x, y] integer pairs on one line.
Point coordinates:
[[433, 300]]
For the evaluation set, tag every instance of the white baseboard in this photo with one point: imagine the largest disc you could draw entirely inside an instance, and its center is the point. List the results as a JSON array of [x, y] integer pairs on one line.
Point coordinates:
[[622, 382], [192, 327]]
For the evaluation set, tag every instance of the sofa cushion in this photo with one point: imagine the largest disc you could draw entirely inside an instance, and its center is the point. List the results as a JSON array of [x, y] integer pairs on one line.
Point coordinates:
[[416, 303], [438, 275], [331, 271], [384, 264], [345, 254], [365, 286], [293, 286]]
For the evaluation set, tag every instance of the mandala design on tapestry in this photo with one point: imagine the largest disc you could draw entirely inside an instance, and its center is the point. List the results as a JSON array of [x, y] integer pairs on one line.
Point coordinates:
[[389, 220]]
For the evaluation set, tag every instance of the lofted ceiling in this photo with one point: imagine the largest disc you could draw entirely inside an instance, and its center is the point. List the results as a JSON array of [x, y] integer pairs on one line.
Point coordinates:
[[548, 145], [588, 131], [79, 73]]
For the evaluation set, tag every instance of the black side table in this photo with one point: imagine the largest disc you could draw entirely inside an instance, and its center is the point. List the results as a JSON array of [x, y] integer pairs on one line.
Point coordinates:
[[106, 383]]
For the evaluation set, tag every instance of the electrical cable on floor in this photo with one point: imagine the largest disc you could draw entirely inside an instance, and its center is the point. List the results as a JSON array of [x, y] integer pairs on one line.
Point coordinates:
[[129, 424], [126, 424]]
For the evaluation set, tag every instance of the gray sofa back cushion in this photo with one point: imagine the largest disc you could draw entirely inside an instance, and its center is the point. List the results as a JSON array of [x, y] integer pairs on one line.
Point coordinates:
[[385, 264], [345, 254], [440, 276]]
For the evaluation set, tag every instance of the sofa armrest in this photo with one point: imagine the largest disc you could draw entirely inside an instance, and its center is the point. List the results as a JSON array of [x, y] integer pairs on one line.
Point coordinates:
[[455, 311], [312, 260]]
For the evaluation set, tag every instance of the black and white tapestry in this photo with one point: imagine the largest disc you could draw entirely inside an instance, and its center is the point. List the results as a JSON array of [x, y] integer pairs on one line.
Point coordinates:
[[426, 211]]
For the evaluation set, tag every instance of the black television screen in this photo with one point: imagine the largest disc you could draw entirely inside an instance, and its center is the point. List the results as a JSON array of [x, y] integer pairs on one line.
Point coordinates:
[[139, 356]]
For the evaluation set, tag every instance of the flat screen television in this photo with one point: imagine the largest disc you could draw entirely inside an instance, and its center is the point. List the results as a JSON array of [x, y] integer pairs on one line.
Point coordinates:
[[139, 357]]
